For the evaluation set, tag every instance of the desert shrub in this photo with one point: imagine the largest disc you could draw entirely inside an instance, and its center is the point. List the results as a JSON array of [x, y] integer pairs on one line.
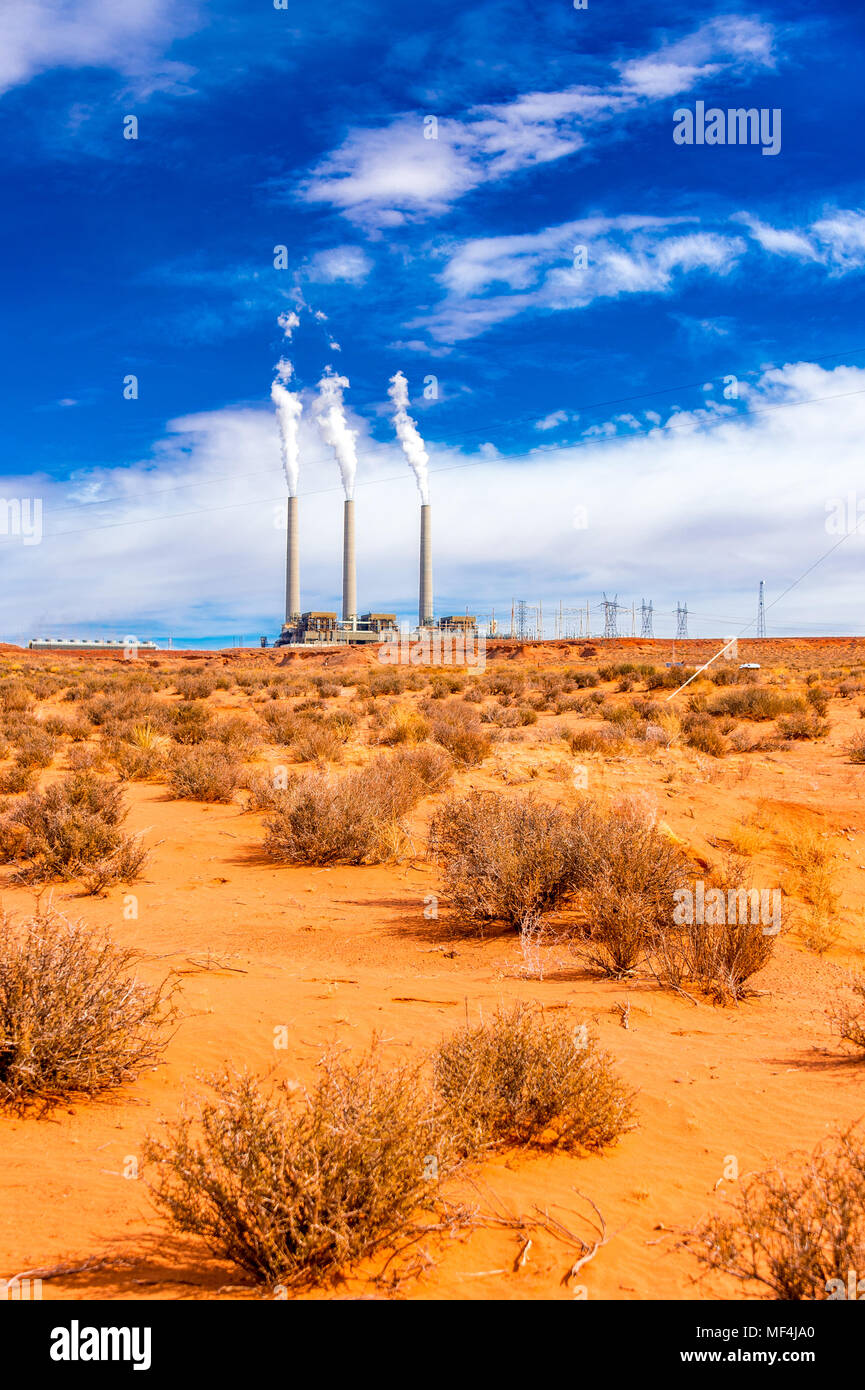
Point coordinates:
[[630, 871], [314, 742], [189, 723], [794, 1236], [856, 748], [427, 764], [700, 732], [15, 695], [35, 748], [804, 725], [504, 857], [351, 819], [206, 772], [718, 959], [266, 789], [16, 778], [73, 727], [458, 729], [281, 722], [848, 1019], [195, 685], [606, 740], [520, 1078], [405, 726], [87, 757], [755, 702], [818, 699], [73, 1016], [241, 736], [296, 1189], [72, 830]]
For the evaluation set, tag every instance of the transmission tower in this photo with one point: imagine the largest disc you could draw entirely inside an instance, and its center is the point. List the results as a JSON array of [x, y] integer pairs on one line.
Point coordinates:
[[522, 620], [761, 614], [611, 607], [682, 621], [646, 610]]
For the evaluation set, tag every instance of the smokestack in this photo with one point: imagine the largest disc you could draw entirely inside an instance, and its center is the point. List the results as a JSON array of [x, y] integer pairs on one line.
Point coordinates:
[[349, 575], [425, 604], [292, 565]]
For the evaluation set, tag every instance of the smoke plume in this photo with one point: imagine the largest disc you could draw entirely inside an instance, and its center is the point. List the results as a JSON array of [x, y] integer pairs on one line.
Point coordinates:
[[330, 418], [406, 429], [288, 412]]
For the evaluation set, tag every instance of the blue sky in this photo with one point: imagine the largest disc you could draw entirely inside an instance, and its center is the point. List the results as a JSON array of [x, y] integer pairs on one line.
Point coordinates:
[[558, 386]]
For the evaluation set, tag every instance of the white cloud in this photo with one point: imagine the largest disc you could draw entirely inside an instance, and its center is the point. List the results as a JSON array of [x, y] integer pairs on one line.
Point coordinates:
[[626, 255], [396, 173], [699, 510], [778, 240], [37, 35], [842, 235], [551, 421], [731, 44], [349, 263]]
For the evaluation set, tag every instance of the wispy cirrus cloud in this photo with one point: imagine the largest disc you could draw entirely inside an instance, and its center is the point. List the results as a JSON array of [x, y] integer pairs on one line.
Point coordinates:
[[132, 39], [417, 166]]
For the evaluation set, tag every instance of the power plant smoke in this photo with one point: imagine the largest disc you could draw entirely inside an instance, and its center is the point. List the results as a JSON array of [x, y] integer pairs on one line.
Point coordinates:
[[406, 429], [288, 412], [330, 418]]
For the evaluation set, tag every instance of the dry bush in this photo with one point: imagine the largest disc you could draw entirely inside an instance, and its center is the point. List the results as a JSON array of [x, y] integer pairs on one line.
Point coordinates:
[[266, 789], [314, 742], [430, 764], [701, 732], [241, 736], [813, 858], [72, 830], [195, 685], [281, 722], [848, 1019], [855, 749], [295, 1189], [35, 747], [15, 695], [405, 726], [519, 1078], [458, 729], [717, 958], [605, 740], [504, 857], [73, 1016], [190, 723], [630, 873], [804, 725], [17, 778], [755, 702], [73, 727], [794, 1235], [206, 772], [353, 819]]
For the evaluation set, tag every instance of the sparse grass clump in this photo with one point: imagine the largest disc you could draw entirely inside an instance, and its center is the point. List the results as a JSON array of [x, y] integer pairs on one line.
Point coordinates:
[[804, 725], [519, 1078], [848, 1019], [795, 1237], [294, 1189], [74, 1019], [206, 772]]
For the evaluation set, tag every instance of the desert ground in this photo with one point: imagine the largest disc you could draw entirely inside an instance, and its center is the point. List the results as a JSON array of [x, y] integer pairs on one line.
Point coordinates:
[[277, 964]]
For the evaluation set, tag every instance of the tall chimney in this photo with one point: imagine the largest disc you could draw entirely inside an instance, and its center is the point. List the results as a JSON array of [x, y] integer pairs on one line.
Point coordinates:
[[292, 566], [425, 604], [349, 575]]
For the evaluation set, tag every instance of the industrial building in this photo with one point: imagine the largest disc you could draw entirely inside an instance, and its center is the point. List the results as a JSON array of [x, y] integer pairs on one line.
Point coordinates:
[[89, 644]]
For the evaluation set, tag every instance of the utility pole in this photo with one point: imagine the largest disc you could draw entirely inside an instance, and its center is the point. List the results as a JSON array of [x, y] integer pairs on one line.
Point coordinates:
[[761, 614], [646, 613], [682, 621]]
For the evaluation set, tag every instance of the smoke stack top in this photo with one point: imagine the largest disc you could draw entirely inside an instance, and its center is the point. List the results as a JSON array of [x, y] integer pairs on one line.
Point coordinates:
[[407, 433], [330, 418]]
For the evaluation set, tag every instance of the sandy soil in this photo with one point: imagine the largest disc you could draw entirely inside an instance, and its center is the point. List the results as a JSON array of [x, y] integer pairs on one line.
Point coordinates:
[[338, 955]]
